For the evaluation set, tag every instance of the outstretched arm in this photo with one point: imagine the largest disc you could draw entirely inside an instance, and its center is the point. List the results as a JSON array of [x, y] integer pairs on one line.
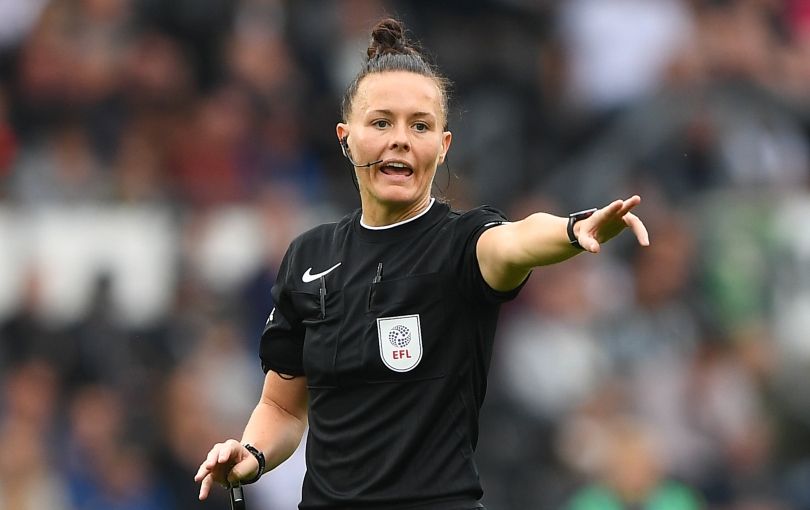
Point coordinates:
[[275, 428], [507, 253]]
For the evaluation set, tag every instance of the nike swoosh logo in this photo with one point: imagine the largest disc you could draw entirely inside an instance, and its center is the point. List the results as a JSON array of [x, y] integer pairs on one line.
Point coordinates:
[[309, 277]]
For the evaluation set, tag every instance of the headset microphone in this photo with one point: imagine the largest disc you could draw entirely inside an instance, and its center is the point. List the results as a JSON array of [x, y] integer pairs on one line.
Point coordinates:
[[344, 145]]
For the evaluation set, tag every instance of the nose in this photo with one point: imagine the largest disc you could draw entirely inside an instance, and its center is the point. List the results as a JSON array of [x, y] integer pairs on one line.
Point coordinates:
[[400, 139]]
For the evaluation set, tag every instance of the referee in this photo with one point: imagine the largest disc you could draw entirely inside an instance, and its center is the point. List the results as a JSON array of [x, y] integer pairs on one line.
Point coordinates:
[[382, 333]]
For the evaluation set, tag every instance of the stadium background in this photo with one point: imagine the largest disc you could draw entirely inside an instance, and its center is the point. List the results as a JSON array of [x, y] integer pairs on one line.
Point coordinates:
[[156, 157]]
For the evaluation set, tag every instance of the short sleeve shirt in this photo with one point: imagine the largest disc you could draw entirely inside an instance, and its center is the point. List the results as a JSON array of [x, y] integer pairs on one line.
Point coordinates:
[[393, 329]]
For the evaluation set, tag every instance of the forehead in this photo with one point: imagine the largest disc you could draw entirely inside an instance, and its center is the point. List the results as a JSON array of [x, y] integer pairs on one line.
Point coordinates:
[[398, 91]]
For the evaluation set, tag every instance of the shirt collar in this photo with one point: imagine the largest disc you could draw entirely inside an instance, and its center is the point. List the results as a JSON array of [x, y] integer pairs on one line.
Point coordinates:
[[393, 225]]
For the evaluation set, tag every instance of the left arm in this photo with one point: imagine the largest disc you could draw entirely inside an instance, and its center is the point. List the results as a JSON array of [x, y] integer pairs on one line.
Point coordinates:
[[507, 253]]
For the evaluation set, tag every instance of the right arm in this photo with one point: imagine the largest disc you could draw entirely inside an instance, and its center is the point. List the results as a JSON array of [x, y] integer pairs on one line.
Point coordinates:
[[275, 428]]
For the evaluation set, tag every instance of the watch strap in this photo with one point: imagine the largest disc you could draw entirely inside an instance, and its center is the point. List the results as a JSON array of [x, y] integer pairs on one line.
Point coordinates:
[[259, 458], [572, 219]]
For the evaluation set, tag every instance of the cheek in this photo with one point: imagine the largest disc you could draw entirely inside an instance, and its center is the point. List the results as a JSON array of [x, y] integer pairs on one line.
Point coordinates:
[[370, 144], [433, 151]]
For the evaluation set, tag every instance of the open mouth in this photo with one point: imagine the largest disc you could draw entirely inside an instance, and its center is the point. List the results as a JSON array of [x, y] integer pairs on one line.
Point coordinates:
[[396, 168]]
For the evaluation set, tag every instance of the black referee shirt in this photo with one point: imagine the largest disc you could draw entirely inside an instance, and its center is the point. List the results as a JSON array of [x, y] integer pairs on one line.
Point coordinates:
[[393, 329]]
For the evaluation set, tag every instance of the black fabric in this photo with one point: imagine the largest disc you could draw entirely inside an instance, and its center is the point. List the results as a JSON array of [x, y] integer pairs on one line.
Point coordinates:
[[393, 422]]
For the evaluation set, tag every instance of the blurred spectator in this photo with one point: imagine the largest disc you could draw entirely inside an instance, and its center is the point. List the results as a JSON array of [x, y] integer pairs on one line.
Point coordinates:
[[105, 470], [630, 475], [662, 321], [547, 364], [549, 357], [182, 403], [61, 169], [205, 162], [618, 51], [26, 433]]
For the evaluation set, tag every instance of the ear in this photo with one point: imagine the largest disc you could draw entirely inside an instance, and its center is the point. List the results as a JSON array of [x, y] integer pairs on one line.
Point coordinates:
[[447, 138], [342, 131]]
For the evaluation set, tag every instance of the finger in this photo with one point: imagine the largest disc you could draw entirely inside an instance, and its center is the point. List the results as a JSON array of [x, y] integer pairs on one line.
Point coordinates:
[[629, 204], [201, 472], [638, 228], [633, 201], [229, 452], [612, 208], [205, 486], [210, 460], [224, 454], [218, 456]]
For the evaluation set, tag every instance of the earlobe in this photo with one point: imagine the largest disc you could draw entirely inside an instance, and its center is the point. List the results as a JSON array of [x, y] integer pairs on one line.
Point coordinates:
[[342, 131], [447, 138], [344, 146]]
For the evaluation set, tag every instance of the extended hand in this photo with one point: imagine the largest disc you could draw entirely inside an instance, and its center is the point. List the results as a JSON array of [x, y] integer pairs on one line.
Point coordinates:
[[226, 464], [607, 222]]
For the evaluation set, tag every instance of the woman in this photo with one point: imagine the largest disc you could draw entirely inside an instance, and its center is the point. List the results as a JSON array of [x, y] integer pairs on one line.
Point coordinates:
[[382, 333]]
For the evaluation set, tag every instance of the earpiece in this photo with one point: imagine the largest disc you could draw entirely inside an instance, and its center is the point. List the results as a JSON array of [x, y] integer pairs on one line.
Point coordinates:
[[344, 146]]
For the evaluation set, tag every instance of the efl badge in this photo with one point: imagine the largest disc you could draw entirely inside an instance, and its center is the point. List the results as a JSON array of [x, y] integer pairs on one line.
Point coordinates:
[[400, 342]]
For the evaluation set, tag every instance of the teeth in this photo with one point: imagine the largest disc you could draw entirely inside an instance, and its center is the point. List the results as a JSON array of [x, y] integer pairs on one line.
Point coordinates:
[[398, 165]]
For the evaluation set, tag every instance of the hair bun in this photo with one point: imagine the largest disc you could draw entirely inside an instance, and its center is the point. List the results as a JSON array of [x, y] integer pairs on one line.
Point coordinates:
[[388, 36]]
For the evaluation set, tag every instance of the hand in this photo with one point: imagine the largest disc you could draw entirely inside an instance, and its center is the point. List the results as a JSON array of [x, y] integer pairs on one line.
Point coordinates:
[[226, 464], [607, 222]]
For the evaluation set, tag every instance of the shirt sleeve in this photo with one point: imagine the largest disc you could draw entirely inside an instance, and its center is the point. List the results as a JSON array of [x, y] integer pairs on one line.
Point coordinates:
[[469, 228], [282, 342]]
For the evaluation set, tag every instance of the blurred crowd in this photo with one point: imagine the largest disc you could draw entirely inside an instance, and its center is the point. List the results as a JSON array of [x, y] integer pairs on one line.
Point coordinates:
[[157, 157]]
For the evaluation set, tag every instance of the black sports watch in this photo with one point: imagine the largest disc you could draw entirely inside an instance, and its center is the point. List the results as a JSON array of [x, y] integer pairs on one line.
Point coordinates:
[[573, 218], [259, 458]]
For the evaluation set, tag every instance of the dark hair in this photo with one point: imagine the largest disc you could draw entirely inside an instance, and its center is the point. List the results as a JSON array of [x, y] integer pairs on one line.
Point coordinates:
[[390, 50]]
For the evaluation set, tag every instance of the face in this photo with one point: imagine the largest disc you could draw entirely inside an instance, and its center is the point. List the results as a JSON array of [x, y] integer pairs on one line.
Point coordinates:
[[396, 117]]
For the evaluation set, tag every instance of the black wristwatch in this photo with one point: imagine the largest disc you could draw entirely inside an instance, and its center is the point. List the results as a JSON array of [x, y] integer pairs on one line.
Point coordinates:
[[573, 218], [259, 458]]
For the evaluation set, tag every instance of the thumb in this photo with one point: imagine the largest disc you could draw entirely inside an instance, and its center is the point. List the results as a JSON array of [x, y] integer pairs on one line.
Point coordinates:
[[244, 470], [589, 243]]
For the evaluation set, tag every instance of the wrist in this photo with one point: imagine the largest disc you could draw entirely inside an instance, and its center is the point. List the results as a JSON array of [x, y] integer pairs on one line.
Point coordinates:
[[259, 456], [573, 219]]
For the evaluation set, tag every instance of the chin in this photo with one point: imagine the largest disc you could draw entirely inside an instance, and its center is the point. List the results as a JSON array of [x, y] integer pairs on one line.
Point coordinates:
[[396, 194]]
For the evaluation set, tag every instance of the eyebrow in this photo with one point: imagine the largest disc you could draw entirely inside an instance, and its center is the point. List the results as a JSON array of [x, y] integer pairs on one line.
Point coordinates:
[[391, 114]]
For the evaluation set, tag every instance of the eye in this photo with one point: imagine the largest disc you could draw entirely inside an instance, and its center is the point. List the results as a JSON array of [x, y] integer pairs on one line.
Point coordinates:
[[421, 127], [381, 123]]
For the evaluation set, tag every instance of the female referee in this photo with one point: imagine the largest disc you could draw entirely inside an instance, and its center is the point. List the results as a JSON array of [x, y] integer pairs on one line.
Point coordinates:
[[382, 331]]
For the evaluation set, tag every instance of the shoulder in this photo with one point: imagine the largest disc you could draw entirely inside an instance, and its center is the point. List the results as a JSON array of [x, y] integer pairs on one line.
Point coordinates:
[[480, 213], [475, 219], [316, 244]]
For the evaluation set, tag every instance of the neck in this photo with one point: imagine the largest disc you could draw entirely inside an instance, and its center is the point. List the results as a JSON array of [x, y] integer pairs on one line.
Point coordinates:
[[382, 216]]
